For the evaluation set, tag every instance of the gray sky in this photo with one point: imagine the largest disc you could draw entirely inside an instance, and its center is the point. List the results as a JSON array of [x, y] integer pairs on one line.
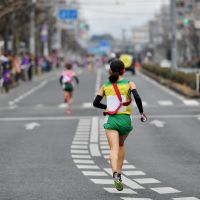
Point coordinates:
[[111, 16]]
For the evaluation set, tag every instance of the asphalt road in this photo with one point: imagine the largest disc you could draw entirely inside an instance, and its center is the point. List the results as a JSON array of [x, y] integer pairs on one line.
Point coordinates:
[[48, 155]]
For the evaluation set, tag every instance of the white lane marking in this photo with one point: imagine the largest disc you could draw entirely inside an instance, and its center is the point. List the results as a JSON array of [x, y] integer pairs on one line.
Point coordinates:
[[106, 156], [80, 151], [163, 88], [134, 173], [94, 173], [103, 181], [191, 102], [105, 147], [103, 139], [81, 156], [105, 151], [87, 105], [165, 103], [83, 161], [31, 126], [127, 198], [158, 123], [94, 150], [128, 182], [62, 105], [104, 142], [26, 94], [79, 147], [87, 166], [56, 118], [146, 180], [129, 167], [125, 191], [74, 142], [165, 190], [186, 198], [94, 130]]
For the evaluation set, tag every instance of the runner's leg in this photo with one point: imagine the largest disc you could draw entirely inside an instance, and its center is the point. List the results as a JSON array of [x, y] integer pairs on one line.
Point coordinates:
[[121, 154], [70, 95], [113, 140]]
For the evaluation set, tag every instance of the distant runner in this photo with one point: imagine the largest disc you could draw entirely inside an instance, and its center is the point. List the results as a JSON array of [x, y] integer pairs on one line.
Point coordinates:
[[118, 109], [67, 81]]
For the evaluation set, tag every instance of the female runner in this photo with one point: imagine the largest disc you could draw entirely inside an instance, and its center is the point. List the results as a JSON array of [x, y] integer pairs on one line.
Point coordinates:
[[66, 80], [119, 124]]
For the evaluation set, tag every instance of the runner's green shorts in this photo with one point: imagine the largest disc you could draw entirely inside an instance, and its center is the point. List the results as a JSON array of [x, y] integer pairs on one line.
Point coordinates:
[[68, 87], [120, 123]]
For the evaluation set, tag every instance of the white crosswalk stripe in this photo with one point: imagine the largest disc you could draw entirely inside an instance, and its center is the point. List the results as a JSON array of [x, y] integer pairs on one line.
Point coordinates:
[[165, 103], [87, 167], [79, 147], [94, 173], [165, 190], [84, 161], [74, 142], [81, 156], [129, 167], [103, 181], [191, 102], [80, 151], [146, 180], [134, 173]]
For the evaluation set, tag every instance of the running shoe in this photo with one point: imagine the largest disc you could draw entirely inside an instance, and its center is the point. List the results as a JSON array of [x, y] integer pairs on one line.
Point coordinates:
[[118, 181]]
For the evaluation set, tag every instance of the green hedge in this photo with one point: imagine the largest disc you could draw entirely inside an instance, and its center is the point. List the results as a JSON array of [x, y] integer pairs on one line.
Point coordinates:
[[188, 79]]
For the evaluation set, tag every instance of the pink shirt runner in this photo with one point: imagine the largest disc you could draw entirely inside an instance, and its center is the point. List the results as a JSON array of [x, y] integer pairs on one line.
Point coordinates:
[[68, 76]]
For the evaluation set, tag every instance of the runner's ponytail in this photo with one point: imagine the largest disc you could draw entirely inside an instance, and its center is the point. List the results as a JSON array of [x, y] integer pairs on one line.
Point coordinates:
[[116, 69], [114, 77]]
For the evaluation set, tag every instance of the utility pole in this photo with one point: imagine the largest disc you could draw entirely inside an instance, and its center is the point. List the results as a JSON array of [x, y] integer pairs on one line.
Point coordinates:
[[174, 39], [32, 27]]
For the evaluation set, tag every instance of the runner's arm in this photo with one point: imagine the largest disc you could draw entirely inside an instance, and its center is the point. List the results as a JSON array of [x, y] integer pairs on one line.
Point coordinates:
[[76, 79], [61, 78], [97, 101], [136, 97]]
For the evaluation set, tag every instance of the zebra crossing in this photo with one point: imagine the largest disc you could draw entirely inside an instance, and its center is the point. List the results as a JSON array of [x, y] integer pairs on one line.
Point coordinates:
[[90, 138]]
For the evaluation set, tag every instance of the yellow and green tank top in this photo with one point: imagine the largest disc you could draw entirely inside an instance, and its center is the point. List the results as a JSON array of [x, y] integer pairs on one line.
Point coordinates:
[[112, 99]]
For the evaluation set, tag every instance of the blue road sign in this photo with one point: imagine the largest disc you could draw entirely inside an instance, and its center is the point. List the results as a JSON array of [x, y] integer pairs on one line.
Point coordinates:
[[68, 14]]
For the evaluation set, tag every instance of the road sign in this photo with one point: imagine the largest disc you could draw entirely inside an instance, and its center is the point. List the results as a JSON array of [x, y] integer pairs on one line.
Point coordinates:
[[68, 14]]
